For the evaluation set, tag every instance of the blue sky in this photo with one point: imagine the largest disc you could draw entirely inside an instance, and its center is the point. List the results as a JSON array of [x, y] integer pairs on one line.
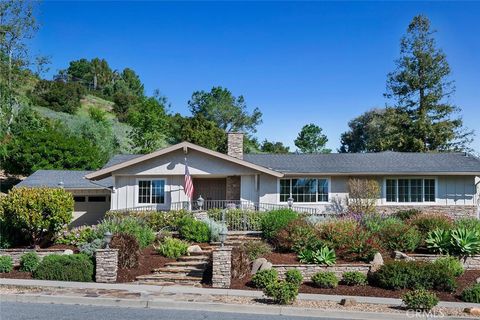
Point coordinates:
[[298, 62]]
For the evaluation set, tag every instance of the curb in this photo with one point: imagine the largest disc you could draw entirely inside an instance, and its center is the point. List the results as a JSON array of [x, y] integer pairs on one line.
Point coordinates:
[[209, 307]]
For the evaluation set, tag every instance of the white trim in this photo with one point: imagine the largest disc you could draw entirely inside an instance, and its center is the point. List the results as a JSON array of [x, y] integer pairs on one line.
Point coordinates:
[[329, 181], [397, 203], [136, 191]]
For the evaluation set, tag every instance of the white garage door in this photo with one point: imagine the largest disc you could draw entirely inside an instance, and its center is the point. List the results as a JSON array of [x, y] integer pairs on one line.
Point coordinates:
[[90, 209]]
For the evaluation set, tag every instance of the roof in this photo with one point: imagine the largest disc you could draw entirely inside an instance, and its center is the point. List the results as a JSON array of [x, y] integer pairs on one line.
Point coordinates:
[[71, 179], [119, 158], [107, 171], [369, 163]]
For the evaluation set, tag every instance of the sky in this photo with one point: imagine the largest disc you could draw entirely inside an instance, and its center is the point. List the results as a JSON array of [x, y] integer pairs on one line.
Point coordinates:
[[299, 62]]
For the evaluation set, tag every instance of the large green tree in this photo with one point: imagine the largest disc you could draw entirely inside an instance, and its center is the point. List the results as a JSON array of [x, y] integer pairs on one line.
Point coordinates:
[[273, 147], [421, 87], [312, 140], [149, 122], [227, 111]]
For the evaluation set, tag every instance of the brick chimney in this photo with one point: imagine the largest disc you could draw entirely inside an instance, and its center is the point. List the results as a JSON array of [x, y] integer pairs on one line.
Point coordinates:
[[235, 145]]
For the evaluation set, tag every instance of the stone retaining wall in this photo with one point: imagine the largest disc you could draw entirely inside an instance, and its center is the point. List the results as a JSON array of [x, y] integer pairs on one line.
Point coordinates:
[[106, 265], [471, 263], [222, 267], [308, 270], [454, 211], [16, 254]]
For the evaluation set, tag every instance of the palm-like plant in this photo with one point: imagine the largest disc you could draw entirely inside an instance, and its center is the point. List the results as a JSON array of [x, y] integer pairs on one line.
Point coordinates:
[[465, 242], [325, 256], [438, 240]]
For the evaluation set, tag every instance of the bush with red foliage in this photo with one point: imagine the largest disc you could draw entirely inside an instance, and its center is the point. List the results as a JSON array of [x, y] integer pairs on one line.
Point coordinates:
[[128, 250]]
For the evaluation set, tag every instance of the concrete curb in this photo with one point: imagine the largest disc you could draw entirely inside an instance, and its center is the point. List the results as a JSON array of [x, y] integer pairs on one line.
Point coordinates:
[[211, 307], [211, 291]]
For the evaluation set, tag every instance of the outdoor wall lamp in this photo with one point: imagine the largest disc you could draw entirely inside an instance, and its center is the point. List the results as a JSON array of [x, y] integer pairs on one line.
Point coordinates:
[[107, 237], [290, 201], [200, 202]]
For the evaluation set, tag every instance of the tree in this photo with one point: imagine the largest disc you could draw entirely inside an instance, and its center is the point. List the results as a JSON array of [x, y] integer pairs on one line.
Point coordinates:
[[420, 87], [58, 95], [273, 147], [38, 212], [227, 111], [149, 123], [363, 195], [132, 82], [312, 140], [376, 130], [198, 130], [51, 148]]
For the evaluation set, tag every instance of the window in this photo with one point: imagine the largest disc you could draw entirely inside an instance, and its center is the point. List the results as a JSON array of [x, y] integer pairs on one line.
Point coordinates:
[[304, 190], [151, 191], [410, 190], [79, 199], [97, 199]]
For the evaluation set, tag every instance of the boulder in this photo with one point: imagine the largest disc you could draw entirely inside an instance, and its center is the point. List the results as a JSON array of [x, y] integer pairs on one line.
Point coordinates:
[[402, 256], [68, 252], [266, 266], [478, 280], [377, 259], [194, 248], [348, 302], [472, 311], [257, 263]]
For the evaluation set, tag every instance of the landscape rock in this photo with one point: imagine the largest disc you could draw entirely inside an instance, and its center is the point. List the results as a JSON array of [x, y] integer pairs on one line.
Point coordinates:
[[478, 280], [402, 256], [472, 311], [68, 252], [266, 266], [348, 302], [257, 263], [377, 262], [194, 248]]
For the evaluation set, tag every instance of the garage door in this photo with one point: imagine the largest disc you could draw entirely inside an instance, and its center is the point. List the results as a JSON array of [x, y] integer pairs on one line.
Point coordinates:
[[90, 209]]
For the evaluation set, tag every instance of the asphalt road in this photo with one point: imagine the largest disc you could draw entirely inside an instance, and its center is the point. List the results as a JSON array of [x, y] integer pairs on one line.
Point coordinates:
[[37, 311]]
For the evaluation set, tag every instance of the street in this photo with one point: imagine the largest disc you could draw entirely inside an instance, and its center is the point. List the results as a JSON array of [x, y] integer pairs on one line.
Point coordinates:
[[37, 311]]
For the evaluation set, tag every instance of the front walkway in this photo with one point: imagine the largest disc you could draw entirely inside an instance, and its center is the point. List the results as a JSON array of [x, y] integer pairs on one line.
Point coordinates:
[[191, 298]]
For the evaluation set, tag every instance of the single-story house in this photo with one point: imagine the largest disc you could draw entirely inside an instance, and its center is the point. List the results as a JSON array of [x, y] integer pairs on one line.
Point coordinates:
[[440, 182]]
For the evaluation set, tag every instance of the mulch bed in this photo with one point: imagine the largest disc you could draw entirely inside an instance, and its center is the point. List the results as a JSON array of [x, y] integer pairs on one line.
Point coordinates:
[[149, 259], [465, 280], [16, 274]]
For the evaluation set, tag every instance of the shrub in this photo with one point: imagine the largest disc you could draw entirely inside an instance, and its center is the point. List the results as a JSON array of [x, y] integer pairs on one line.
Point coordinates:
[[90, 247], [238, 219], [256, 249], [263, 278], [216, 228], [282, 292], [472, 294], [172, 248], [375, 222], [354, 278], [325, 279], [194, 230], [407, 214], [420, 299], [128, 250], [452, 264], [324, 256], [29, 261], [469, 223], [431, 221], [273, 221], [133, 226], [459, 241], [39, 212], [76, 236], [396, 235], [414, 275], [75, 267], [439, 241], [58, 95], [294, 276], [240, 262], [157, 220], [296, 236], [6, 264]]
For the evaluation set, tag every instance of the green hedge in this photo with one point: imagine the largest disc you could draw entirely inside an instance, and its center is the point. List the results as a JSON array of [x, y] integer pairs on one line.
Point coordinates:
[[75, 267]]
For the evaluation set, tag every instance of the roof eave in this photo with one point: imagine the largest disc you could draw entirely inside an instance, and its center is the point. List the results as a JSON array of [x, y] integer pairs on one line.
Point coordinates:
[[390, 173]]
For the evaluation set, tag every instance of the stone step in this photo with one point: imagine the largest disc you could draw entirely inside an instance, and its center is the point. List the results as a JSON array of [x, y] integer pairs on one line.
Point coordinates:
[[195, 258], [170, 278], [195, 264], [174, 269]]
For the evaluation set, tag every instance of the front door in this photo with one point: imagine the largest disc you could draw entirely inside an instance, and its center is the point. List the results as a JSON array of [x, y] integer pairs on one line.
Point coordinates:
[[210, 188]]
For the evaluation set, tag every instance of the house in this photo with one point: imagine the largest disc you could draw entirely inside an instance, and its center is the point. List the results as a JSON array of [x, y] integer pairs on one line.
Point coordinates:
[[439, 182]]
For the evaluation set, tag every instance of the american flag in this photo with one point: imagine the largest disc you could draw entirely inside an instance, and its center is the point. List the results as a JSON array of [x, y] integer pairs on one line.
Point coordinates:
[[188, 182]]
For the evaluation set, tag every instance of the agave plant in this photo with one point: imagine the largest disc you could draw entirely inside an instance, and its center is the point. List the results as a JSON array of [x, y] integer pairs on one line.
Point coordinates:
[[439, 241], [325, 256], [306, 256], [465, 242]]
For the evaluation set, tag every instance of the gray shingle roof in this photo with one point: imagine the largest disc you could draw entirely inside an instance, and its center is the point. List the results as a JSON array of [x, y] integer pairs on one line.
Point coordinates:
[[395, 162], [71, 179], [119, 158]]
